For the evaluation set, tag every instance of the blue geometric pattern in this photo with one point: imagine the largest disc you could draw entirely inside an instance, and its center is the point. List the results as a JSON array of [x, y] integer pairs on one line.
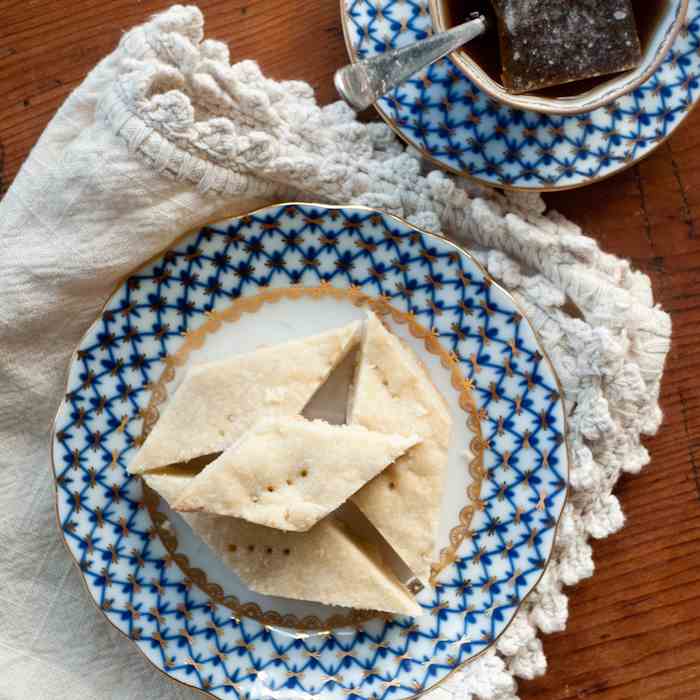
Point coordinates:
[[137, 582], [449, 119]]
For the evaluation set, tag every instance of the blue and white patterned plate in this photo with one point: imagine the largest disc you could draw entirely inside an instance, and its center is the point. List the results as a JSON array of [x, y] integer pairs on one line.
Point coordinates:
[[454, 123], [283, 271]]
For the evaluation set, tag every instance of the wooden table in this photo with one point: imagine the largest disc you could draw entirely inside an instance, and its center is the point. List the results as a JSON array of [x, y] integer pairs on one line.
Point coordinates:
[[634, 627]]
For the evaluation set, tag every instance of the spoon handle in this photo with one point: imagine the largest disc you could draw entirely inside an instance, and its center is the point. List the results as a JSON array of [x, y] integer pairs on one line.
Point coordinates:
[[363, 83]]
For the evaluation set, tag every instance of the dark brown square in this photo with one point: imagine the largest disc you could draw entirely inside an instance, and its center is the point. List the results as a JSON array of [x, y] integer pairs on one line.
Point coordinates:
[[551, 42]]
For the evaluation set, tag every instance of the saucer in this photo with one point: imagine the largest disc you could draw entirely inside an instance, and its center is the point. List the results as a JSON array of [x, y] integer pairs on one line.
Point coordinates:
[[452, 122]]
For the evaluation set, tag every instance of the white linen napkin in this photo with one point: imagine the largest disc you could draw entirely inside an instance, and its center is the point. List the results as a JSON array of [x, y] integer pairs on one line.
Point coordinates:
[[165, 135]]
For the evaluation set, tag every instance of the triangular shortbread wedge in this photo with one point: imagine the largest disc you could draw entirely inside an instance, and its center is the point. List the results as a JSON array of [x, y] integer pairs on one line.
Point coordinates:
[[324, 565], [218, 401], [288, 473], [392, 392]]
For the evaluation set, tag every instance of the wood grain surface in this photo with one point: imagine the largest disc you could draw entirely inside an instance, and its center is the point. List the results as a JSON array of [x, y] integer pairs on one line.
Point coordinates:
[[634, 628]]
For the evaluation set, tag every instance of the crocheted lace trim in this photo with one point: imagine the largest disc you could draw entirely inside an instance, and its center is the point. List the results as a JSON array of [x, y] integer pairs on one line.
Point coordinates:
[[185, 110]]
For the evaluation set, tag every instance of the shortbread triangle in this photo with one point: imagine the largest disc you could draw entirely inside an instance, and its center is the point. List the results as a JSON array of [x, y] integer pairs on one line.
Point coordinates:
[[324, 565], [393, 393], [288, 473], [218, 401]]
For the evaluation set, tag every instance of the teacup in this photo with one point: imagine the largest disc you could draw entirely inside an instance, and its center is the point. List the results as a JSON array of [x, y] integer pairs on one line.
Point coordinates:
[[658, 23]]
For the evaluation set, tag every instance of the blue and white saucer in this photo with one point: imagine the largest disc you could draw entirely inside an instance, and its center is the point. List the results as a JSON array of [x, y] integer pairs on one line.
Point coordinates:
[[451, 121], [287, 271]]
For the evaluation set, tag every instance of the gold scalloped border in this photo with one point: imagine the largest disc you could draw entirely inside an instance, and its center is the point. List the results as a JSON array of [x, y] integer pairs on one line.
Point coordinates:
[[381, 306]]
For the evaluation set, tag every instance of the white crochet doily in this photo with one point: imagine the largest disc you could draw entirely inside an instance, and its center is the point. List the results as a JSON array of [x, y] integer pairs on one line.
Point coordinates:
[[207, 133], [228, 129]]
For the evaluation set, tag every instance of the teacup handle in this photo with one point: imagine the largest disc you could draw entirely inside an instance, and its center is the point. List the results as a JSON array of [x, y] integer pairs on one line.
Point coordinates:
[[363, 83]]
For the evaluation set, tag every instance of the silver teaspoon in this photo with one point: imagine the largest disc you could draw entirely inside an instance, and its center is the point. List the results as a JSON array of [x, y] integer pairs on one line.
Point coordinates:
[[363, 83]]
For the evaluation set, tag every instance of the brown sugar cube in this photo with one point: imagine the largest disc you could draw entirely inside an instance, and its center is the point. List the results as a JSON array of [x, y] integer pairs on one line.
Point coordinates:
[[551, 42]]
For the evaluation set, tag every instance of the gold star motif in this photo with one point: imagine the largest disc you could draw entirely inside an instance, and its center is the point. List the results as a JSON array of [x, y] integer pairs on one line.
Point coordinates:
[[332, 679], [439, 608], [189, 661], [159, 640], [541, 503], [489, 584], [532, 537]]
